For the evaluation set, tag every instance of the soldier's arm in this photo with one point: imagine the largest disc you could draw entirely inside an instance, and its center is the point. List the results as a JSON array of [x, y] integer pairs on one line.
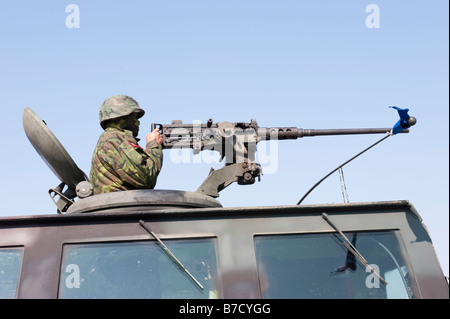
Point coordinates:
[[154, 152], [155, 157]]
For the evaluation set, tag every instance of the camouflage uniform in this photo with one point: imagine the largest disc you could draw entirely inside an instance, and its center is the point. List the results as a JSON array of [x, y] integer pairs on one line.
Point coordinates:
[[119, 163]]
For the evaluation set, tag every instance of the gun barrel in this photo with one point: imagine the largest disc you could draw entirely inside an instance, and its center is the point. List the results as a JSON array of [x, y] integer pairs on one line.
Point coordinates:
[[349, 131], [285, 133]]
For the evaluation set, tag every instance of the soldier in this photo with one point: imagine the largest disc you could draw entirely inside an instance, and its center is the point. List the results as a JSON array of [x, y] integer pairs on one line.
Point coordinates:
[[119, 163]]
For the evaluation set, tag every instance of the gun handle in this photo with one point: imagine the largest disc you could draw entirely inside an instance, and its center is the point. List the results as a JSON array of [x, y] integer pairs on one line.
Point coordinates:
[[159, 126]]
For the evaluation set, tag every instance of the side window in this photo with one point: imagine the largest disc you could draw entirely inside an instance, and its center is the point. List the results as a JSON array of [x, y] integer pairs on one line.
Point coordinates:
[[10, 265], [139, 269], [320, 266]]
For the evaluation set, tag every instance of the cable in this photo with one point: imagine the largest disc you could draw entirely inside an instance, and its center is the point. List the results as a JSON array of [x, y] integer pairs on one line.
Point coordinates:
[[342, 165]]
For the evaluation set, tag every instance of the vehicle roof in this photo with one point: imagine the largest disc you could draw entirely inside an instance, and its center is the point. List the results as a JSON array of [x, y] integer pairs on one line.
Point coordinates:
[[196, 213]]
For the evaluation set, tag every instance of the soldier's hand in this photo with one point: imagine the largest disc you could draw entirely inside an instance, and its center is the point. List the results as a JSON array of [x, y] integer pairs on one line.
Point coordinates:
[[154, 135]]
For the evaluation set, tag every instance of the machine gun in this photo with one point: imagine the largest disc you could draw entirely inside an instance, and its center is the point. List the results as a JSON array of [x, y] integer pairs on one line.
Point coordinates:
[[236, 143]]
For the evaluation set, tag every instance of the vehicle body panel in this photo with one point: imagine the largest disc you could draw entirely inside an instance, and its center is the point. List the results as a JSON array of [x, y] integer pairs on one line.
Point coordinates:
[[234, 229]]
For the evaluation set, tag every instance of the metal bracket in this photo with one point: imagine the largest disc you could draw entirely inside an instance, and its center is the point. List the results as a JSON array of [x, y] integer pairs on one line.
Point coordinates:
[[243, 173], [65, 199]]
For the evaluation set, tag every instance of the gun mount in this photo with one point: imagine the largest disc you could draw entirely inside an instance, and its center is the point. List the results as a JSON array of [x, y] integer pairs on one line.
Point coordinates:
[[236, 143]]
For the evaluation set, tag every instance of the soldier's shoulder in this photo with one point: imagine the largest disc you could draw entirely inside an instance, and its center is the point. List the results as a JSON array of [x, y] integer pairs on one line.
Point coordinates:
[[110, 137], [113, 134]]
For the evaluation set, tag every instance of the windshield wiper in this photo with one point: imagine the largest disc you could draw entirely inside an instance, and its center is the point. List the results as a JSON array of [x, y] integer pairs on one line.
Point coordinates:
[[170, 254], [350, 260], [347, 243]]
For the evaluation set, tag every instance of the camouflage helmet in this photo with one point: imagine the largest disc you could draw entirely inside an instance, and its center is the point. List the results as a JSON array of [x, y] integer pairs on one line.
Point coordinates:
[[118, 106]]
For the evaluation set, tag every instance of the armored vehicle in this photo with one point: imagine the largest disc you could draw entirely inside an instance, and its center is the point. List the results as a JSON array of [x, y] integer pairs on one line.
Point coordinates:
[[179, 245]]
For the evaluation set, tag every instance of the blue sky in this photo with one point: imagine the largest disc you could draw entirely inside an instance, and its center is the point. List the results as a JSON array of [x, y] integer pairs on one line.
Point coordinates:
[[311, 64]]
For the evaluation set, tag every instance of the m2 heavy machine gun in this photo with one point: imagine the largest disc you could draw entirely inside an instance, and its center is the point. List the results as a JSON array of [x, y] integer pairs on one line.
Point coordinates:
[[236, 144]]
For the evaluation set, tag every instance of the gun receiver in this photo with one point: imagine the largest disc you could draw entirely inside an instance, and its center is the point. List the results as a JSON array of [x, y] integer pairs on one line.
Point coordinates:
[[236, 142]]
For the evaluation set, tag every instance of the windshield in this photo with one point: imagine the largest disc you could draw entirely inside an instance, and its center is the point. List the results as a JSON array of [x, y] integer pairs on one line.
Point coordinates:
[[138, 269], [10, 265], [320, 266]]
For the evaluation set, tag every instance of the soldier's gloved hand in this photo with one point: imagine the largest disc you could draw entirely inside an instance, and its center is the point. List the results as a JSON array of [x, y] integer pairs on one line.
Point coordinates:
[[154, 135]]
